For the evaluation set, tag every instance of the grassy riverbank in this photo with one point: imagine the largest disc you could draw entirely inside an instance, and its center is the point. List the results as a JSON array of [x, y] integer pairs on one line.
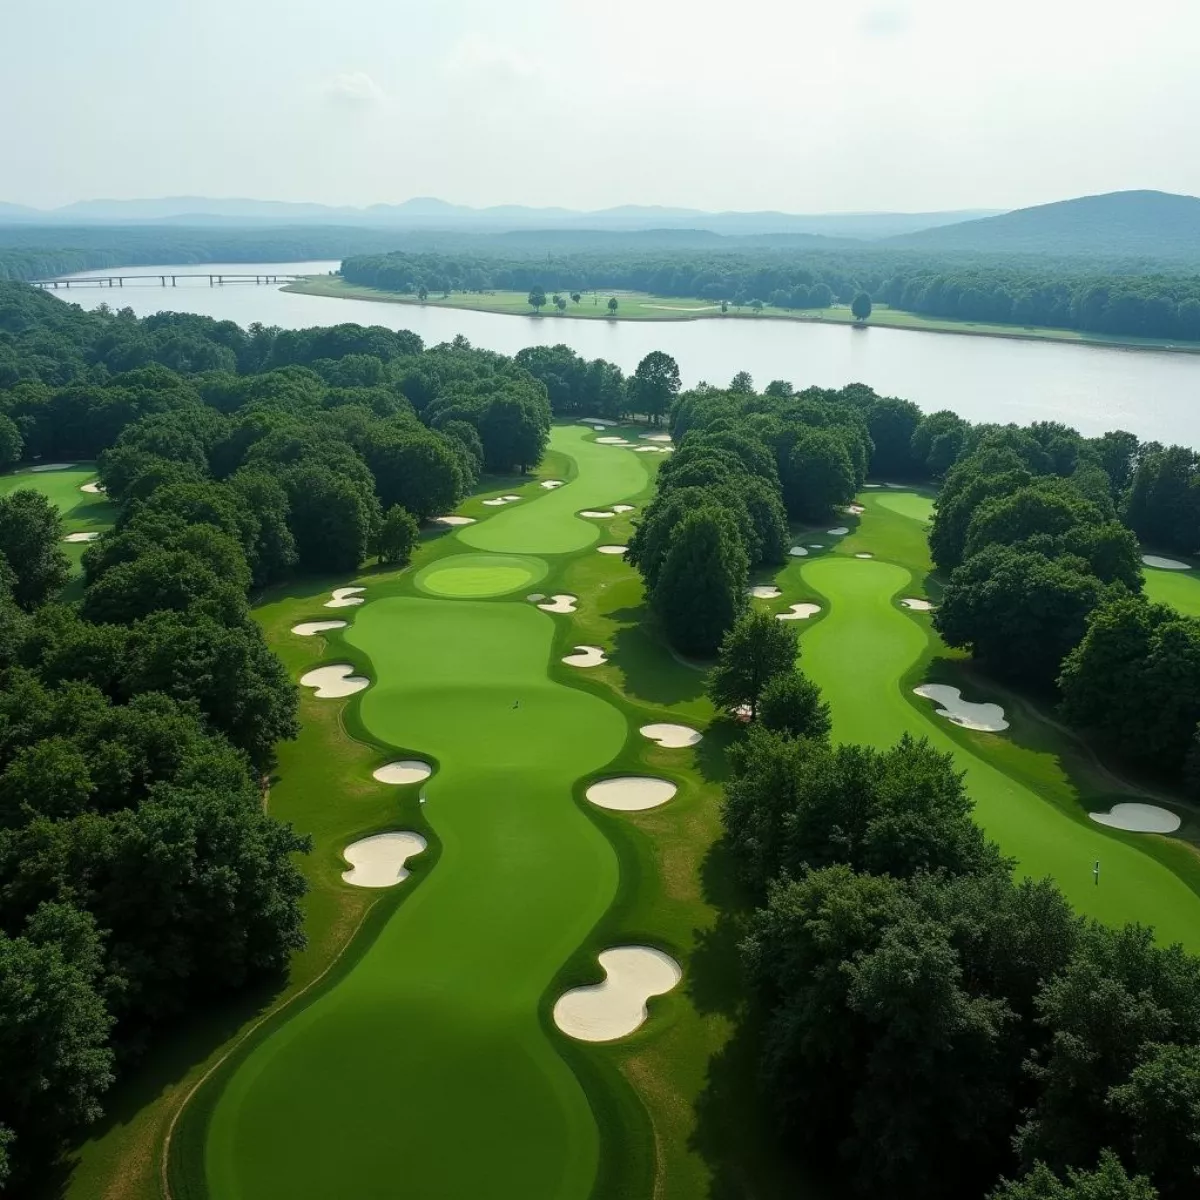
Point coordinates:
[[642, 306]]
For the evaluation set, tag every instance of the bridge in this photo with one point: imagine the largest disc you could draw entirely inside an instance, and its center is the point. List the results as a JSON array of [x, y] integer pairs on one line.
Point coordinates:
[[170, 279]]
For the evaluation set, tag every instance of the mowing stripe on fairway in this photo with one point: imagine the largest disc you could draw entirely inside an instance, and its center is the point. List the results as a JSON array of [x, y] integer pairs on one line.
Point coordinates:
[[860, 652]]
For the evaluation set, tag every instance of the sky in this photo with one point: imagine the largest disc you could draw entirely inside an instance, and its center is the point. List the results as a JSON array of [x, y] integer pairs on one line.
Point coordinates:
[[798, 105]]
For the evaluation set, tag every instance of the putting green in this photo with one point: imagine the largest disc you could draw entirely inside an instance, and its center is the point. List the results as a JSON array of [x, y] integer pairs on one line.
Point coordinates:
[[548, 525], [432, 1041], [1180, 589], [478, 575], [860, 653]]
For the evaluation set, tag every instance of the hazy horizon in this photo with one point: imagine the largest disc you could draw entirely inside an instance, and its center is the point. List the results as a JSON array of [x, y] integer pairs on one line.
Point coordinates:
[[874, 106]]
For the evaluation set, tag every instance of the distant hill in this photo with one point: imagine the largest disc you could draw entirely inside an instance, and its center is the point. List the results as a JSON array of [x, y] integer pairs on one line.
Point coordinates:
[[430, 213], [1142, 224]]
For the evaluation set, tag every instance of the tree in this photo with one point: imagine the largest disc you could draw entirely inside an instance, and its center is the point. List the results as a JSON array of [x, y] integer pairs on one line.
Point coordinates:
[[422, 293], [742, 383], [415, 468], [860, 306], [397, 536], [1107, 1182], [30, 532], [612, 306], [791, 703], [537, 298], [560, 302], [757, 649], [655, 384], [576, 297], [892, 424], [11, 442], [700, 590], [817, 476]]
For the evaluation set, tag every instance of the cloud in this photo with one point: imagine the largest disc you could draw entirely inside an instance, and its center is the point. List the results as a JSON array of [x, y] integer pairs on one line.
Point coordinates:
[[887, 22], [353, 89], [481, 60]]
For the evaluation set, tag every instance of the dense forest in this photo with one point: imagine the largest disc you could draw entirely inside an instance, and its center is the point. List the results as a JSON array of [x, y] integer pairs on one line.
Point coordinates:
[[1120, 299], [140, 877]]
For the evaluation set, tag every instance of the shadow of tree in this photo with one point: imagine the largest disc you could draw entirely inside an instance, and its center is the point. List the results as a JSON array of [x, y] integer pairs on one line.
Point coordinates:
[[650, 672]]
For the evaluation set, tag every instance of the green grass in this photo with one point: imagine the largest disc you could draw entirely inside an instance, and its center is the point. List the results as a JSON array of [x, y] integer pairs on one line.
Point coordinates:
[[643, 306], [867, 653], [468, 575], [1180, 589]]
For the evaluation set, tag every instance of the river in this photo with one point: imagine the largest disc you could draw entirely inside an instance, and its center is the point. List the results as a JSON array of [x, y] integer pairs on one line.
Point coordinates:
[[1155, 394]]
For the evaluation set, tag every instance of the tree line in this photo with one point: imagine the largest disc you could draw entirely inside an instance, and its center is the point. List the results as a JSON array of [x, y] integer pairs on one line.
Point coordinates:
[[141, 878], [928, 1026], [1121, 299]]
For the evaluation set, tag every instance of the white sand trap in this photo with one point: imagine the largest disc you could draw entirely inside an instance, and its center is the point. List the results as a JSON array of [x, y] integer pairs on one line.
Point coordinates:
[[988, 718], [622, 508], [378, 861], [598, 428], [496, 502], [586, 656], [901, 486], [81, 537], [452, 522], [93, 489], [612, 549], [864, 555], [765, 591], [674, 737], [612, 441], [630, 793], [615, 1008], [53, 467], [511, 499], [403, 770], [838, 532], [597, 514], [564, 602], [872, 485], [345, 598], [646, 449], [799, 612], [1151, 560], [856, 510], [816, 545], [600, 421], [312, 628], [332, 683], [1139, 818], [917, 605], [552, 483], [798, 552], [655, 437]]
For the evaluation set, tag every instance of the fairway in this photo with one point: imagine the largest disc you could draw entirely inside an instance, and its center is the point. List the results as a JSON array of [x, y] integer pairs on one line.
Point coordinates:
[[433, 1039], [863, 655], [82, 512], [1179, 589]]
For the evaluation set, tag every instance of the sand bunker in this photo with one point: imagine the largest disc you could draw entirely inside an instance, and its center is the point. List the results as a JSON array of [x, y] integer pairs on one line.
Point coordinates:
[[552, 483], [345, 598], [655, 437], [81, 537], [764, 591], [496, 502], [864, 555], [674, 737], [586, 656], [645, 449], [597, 514], [798, 552], [312, 628], [856, 509], [838, 532], [452, 522], [511, 499], [612, 441], [378, 861], [563, 602], [1151, 560], [402, 771], [799, 612], [93, 489], [332, 683], [872, 485], [630, 793], [917, 605], [617, 1007], [53, 467], [600, 421], [612, 549], [622, 508], [988, 718], [1139, 818]]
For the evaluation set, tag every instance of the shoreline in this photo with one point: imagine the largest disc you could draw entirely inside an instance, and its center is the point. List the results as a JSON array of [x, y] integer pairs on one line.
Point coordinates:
[[317, 286]]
